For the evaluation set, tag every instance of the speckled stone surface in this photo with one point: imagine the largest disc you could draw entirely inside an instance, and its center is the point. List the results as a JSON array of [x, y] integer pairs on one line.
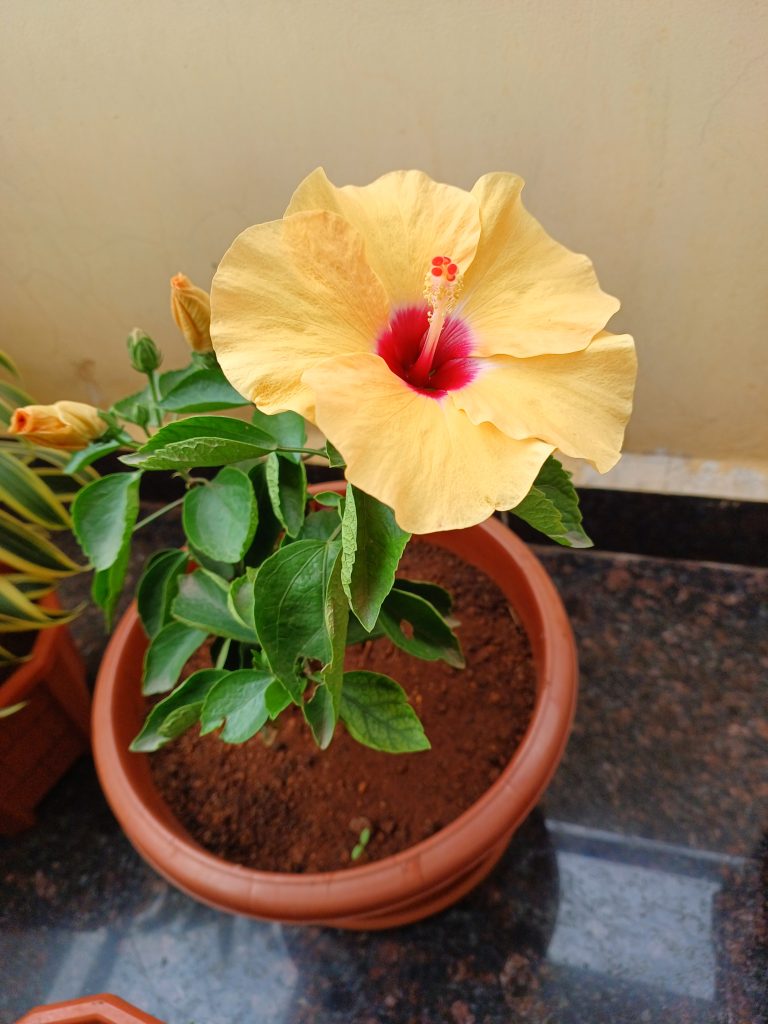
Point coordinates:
[[635, 893]]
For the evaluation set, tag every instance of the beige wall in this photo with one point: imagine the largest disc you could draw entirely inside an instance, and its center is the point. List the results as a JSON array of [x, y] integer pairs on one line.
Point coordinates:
[[139, 138]]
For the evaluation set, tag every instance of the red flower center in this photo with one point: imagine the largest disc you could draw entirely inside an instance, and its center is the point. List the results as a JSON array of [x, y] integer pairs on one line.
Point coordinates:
[[401, 344]]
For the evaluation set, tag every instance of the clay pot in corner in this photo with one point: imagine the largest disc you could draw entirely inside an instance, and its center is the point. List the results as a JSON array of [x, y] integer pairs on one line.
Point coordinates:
[[396, 890], [101, 1009], [42, 740]]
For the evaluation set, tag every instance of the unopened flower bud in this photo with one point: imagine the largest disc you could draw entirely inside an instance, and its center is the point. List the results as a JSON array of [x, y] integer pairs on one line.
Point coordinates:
[[191, 309], [68, 425], [143, 352]]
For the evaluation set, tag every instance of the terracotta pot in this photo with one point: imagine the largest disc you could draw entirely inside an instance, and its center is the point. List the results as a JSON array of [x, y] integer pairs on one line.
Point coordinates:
[[103, 1009], [42, 740], [396, 890]]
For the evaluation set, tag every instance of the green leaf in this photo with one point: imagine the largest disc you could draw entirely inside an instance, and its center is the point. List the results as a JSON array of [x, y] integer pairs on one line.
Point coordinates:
[[167, 655], [202, 441], [94, 451], [23, 491], [136, 408], [376, 712], [220, 517], [224, 569], [15, 604], [552, 507], [13, 396], [158, 587], [8, 364], [430, 636], [336, 622], [320, 525], [269, 528], [104, 514], [27, 550], [61, 459], [287, 487], [437, 596], [177, 712], [241, 598], [331, 498], [290, 607], [320, 715], [202, 391], [372, 546], [287, 428], [202, 603], [334, 456], [277, 698], [239, 699]]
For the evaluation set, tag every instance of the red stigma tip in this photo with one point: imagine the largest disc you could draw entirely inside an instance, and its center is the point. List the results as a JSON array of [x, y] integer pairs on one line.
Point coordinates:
[[437, 271], [452, 268], [437, 261]]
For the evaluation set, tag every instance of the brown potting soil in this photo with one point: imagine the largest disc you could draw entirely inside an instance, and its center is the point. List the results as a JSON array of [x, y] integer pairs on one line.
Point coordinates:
[[277, 803]]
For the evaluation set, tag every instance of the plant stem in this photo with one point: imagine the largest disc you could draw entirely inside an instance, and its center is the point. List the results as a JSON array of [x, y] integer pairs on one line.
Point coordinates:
[[159, 512], [152, 377]]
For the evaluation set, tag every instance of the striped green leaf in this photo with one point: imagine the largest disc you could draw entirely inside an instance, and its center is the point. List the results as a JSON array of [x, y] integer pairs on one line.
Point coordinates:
[[25, 493], [26, 549]]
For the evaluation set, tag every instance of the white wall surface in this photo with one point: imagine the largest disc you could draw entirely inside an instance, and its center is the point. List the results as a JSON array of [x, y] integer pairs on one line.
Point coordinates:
[[139, 138]]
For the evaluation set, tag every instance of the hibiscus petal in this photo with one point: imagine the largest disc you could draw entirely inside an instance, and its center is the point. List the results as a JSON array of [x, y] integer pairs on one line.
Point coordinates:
[[406, 220], [579, 402], [289, 294], [525, 294], [420, 455]]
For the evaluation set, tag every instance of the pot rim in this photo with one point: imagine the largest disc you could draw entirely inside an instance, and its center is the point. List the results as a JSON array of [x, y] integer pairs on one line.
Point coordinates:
[[401, 877]]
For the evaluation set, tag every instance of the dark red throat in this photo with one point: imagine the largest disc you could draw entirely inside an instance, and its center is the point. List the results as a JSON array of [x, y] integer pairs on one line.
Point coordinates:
[[452, 365]]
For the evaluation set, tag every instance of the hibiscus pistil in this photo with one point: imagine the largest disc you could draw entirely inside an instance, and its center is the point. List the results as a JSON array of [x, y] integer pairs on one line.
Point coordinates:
[[442, 285]]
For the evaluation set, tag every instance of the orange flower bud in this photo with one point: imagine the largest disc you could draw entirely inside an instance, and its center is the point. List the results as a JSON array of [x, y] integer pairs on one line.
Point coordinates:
[[61, 425], [191, 309]]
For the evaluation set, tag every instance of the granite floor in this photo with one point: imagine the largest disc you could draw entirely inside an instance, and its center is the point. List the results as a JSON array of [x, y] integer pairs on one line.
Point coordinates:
[[635, 893]]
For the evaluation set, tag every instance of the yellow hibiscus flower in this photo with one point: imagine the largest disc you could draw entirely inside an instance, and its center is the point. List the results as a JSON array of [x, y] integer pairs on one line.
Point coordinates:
[[440, 339]]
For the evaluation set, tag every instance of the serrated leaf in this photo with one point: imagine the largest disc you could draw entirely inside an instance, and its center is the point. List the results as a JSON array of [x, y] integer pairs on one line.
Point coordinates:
[[430, 637], [170, 649], [373, 544], [287, 488], [552, 507], [376, 712], [23, 491], [238, 702], [220, 517], [290, 607], [104, 514], [189, 695], [202, 602], [287, 428], [202, 441], [158, 587], [27, 550], [94, 451], [320, 715], [202, 391]]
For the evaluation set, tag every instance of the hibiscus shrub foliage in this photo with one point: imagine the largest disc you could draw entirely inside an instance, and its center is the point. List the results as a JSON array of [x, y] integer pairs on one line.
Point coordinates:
[[278, 582]]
